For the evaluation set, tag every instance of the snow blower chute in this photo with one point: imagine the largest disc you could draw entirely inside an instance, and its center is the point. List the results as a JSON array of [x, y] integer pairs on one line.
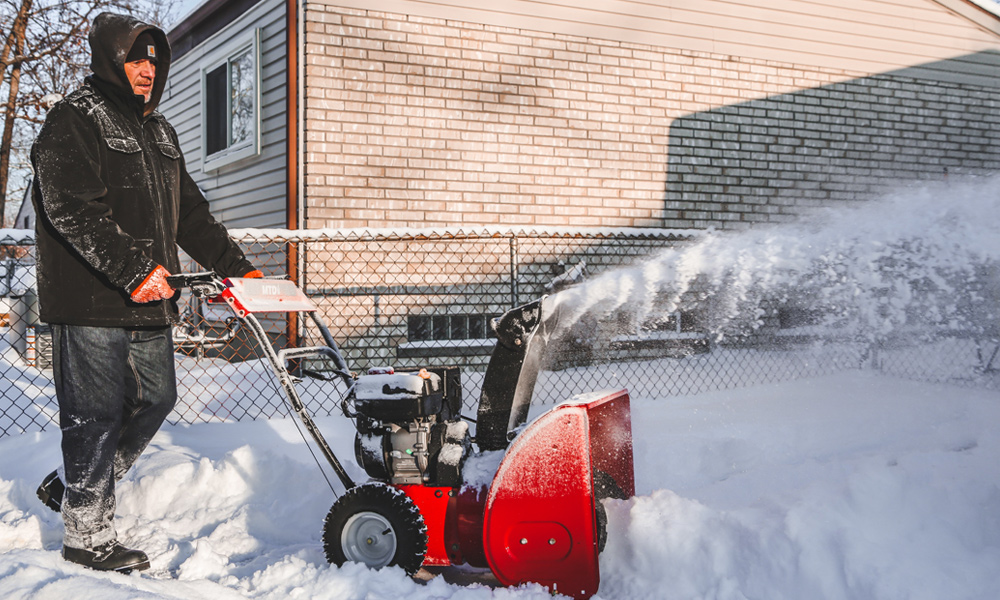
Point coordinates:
[[539, 520]]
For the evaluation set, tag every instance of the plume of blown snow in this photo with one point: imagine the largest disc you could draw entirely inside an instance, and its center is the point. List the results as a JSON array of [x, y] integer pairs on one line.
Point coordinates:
[[925, 256]]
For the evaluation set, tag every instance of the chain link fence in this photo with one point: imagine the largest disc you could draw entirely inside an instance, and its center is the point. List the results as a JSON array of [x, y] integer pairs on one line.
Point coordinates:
[[425, 298]]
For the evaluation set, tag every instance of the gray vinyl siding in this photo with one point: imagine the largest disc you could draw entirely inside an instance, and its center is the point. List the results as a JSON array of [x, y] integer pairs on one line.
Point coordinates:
[[250, 192], [870, 36]]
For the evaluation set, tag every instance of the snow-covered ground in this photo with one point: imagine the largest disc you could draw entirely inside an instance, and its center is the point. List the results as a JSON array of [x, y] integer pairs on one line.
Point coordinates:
[[849, 486]]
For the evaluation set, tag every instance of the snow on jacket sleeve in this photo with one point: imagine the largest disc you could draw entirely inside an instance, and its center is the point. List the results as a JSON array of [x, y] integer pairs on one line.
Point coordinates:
[[68, 170]]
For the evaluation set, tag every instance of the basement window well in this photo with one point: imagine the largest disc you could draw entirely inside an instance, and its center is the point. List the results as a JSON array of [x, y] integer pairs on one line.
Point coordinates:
[[440, 336]]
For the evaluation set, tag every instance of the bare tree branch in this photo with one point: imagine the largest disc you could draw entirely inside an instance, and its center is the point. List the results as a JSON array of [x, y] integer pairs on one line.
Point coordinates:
[[50, 57]]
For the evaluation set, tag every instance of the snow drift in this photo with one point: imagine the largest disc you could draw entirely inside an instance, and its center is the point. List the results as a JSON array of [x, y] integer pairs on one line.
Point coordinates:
[[847, 487]]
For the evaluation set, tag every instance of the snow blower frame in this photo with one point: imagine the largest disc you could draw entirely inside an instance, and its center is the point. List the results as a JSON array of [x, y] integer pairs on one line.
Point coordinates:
[[539, 520]]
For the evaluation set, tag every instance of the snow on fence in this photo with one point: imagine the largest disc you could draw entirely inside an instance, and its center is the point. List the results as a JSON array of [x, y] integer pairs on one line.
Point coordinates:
[[425, 297]]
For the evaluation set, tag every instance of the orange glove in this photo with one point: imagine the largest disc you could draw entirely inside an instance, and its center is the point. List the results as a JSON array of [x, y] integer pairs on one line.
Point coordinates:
[[255, 274], [154, 287]]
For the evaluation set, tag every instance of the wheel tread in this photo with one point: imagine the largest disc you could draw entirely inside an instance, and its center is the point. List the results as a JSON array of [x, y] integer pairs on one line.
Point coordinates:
[[394, 505]]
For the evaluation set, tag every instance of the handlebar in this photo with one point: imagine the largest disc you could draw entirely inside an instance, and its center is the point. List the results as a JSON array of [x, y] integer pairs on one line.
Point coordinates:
[[208, 285], [203, 285]]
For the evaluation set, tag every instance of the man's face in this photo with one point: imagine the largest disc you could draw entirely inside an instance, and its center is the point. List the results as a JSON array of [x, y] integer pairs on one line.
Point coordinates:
[[141, 74]]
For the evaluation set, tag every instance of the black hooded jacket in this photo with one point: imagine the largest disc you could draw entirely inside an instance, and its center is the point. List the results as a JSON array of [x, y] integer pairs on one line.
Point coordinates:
[[113, 195]]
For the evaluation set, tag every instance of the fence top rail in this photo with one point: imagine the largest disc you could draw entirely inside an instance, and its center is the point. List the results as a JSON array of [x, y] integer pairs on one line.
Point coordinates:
[[27, 236], [399, 234]]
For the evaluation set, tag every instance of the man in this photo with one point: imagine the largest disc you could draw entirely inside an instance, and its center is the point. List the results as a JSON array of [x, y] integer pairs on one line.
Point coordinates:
[[114, 200]]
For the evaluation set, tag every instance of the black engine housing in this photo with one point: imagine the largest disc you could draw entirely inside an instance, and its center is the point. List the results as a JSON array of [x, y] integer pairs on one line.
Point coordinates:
[[409, 427]]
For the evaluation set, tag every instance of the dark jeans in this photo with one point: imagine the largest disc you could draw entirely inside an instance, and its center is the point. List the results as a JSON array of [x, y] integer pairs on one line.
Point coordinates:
[[115, 387]]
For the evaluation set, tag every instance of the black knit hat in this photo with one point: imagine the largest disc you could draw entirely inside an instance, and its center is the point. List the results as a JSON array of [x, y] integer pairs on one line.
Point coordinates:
[[143, 48]]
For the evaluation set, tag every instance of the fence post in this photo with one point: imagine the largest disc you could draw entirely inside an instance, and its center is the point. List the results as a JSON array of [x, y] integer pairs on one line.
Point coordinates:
[[875, 361], [9, 275], [292, 266], [514, 259], [29, 346]]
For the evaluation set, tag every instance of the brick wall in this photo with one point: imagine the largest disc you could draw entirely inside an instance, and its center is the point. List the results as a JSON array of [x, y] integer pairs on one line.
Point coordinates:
[[414, 122], [770, 159]]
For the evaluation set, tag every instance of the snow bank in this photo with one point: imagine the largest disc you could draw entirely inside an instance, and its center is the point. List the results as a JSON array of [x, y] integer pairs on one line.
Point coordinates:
[[845, 487]]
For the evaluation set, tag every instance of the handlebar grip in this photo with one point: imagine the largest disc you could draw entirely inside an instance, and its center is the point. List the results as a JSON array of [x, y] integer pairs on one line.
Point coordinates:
[[203, 285], [186, 280]]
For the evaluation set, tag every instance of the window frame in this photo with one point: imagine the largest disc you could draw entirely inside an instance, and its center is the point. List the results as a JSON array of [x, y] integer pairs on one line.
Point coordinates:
[[224, 56]]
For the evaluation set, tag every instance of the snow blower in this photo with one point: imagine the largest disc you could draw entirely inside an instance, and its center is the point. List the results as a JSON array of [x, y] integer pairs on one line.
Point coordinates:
[[539, 520]]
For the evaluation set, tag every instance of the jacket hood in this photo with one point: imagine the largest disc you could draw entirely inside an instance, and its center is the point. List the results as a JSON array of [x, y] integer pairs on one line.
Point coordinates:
[[111, 38]]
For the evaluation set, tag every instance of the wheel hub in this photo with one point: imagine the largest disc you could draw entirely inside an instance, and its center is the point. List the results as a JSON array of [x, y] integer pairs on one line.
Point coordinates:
[[369, 538]]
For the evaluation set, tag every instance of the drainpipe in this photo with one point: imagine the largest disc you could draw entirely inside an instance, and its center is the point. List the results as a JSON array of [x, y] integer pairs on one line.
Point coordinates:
[[293, 123], [292, 151]]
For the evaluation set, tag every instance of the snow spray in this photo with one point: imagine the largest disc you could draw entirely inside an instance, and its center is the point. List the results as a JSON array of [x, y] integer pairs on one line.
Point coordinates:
[[920, 257]]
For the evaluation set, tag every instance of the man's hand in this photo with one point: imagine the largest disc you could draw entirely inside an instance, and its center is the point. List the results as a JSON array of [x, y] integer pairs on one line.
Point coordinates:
[[255, 274], [154, 287]]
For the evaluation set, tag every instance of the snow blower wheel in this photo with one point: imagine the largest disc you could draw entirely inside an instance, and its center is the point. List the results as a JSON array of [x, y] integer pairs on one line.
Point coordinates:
[[375, 525], [605, 486]]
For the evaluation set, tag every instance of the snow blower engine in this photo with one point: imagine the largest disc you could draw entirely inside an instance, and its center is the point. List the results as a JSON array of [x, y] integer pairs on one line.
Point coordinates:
[[409, 426], [537, 518]]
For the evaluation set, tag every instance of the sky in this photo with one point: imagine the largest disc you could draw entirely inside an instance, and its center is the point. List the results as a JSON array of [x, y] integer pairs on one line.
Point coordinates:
[[185, 8]]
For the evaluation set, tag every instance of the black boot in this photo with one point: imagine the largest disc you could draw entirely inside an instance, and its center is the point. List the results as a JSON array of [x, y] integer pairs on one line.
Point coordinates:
[[51, 491], [108, 557]]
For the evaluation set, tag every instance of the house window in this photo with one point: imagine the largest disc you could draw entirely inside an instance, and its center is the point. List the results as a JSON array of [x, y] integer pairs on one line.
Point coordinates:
[[426, 328], [231, 102]]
